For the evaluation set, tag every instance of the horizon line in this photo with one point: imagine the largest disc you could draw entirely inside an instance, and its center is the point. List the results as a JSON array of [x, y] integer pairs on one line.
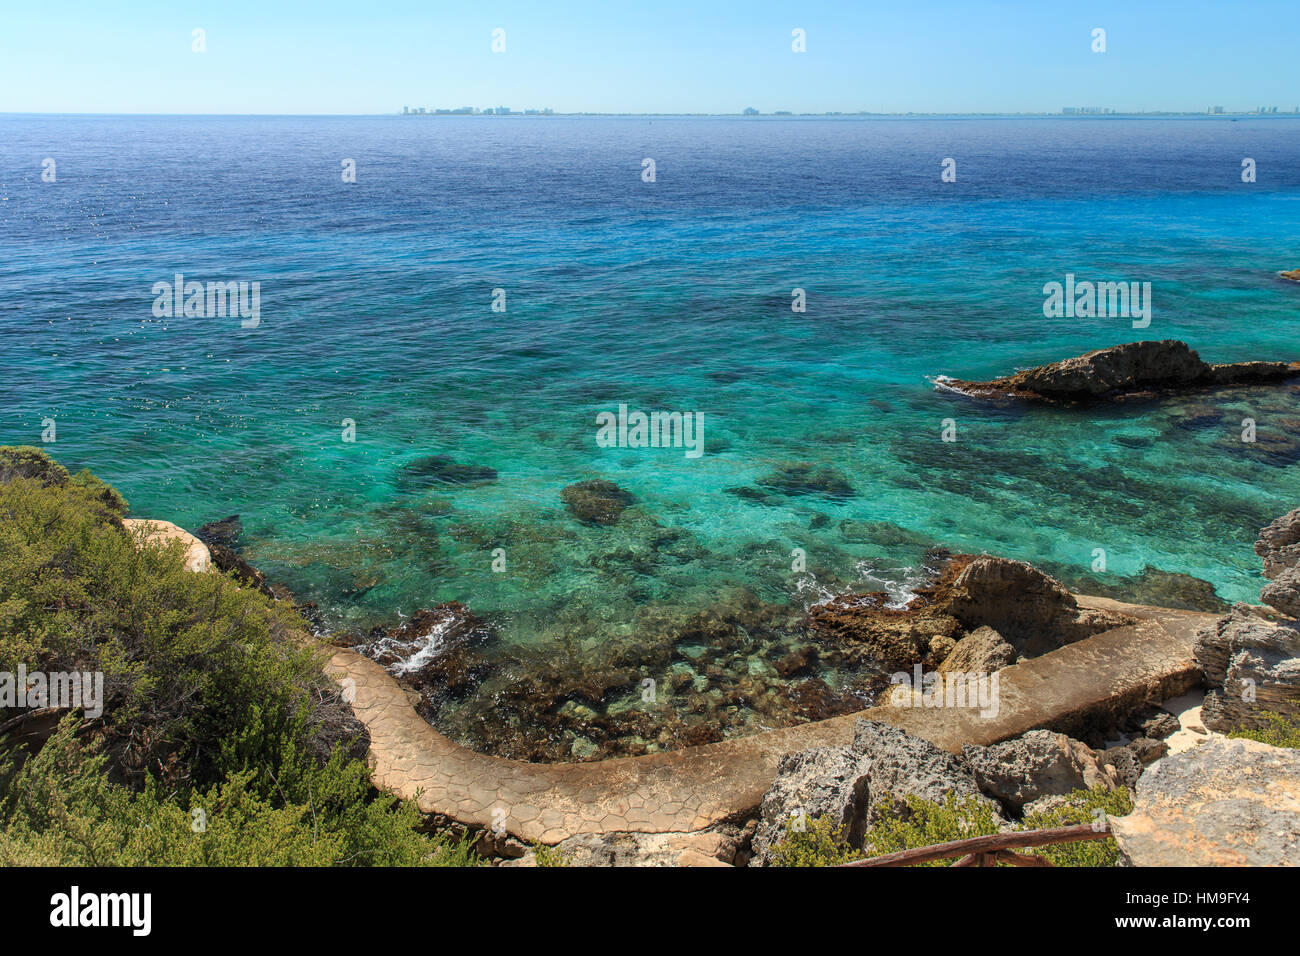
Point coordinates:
[[1080, 113]]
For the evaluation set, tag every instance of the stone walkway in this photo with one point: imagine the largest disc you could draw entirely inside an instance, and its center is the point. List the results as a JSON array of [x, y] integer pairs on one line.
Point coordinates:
[[691, 789]]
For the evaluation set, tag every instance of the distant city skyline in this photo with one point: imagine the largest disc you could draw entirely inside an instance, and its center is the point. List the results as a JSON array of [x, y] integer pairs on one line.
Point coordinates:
[[820, 56]]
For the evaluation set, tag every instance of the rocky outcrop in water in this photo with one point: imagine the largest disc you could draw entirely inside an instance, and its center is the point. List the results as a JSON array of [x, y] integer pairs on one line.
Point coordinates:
[[1125, 371], [1252, 664], [982, 651], [1278, 545], [1251, 657], [1029, 610], [1222, 803]]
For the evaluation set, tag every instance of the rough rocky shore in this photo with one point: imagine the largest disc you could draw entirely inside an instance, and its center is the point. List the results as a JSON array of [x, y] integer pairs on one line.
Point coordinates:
[[1132, 370]]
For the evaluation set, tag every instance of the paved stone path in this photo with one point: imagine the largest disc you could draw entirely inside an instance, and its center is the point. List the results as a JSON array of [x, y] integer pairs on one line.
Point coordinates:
[[691, 789]]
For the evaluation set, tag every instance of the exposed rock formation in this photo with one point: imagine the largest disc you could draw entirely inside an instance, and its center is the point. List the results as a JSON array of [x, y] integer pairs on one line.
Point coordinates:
[[1283, 592], [982, 651], [1293, 275], [1251, 658], [1039, 764], [718, 846], [854, 785], [1279, 544], [1223, 803], [1252, 664], [1031, 611], [900, 764], [1132, 369], [830, 782], [149, 531]]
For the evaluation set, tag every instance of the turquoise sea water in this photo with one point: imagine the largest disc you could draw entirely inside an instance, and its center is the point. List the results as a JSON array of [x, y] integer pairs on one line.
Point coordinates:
[[667, 296]]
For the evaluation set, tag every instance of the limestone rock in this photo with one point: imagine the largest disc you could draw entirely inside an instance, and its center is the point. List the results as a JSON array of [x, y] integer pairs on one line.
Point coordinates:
[[898, 764], [1222, 803], [714, 847], [826, 782], [1283, 592], [982, 651], [1279, 544], [1031, 610], [1253, 667], [148, 531], [1121, 370], [1035, 765]]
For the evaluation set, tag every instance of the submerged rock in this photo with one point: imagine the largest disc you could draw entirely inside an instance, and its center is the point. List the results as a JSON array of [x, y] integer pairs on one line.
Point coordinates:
[[225, 531], [1222, 803], [433, 470], [596, 501], [1135, 368], [803, 478]]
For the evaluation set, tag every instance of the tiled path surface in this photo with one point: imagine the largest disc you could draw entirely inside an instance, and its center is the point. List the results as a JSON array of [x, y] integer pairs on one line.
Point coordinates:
[[691, 789]]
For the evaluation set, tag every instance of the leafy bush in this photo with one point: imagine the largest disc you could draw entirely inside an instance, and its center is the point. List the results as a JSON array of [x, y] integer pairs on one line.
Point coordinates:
[[214, 701], [1082, 806], [912, 823], [1279, 731], [818, 843], [917, 823]]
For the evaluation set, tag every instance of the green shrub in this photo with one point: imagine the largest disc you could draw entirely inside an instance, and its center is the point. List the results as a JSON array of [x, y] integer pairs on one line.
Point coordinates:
[[545, 855], [1081, 806], [917, 823], [1280, 730], [60, 809], [25, 461], [818, 843], [214, 701], [912, 823]]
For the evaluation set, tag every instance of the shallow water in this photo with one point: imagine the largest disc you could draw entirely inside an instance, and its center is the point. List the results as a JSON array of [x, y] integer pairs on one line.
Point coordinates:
[[667, 296]]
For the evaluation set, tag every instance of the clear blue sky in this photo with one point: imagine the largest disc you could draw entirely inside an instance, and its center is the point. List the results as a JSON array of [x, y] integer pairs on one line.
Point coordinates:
[[326, 56]]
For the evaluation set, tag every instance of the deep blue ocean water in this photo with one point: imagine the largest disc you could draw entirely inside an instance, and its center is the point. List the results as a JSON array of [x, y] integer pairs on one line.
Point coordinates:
[[667, 296]]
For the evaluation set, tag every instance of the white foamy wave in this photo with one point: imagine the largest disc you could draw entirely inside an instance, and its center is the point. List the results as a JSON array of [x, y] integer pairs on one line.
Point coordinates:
[[413, 653]]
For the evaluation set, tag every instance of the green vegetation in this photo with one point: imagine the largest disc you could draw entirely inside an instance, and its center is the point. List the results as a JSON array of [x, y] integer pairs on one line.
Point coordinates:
[[913, 823], [819, 842], [1281, 730], [220, 742], [545, 855]]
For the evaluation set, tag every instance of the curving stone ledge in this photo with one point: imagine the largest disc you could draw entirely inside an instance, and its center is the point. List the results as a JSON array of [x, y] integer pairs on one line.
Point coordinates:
[[694, 788]]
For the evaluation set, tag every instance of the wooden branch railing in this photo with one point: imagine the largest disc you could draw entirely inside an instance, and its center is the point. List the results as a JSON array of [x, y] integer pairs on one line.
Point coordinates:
[[991, 850]]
